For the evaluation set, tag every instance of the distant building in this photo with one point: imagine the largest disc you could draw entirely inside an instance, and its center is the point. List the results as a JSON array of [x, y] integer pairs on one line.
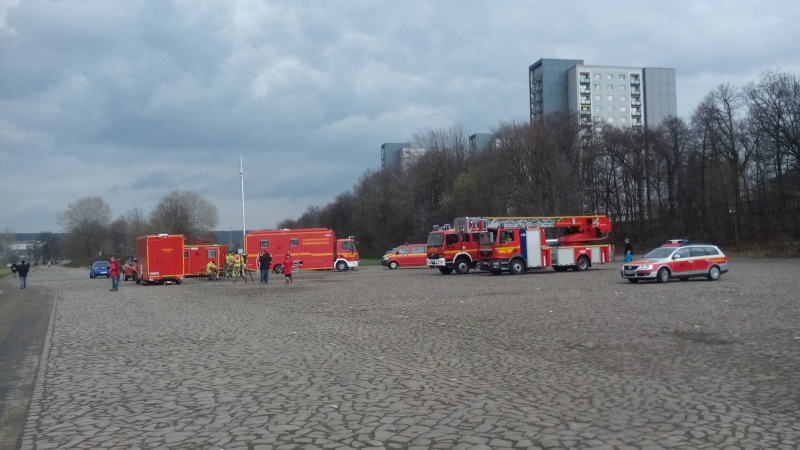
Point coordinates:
[[480, 142], [399, 155], [624, 96]]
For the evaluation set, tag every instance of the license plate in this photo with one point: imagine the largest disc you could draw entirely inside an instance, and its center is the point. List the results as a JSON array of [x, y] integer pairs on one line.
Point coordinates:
[[630, 272]]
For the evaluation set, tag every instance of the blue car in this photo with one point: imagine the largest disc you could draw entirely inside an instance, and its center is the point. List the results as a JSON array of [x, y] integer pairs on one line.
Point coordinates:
[[100, 269]]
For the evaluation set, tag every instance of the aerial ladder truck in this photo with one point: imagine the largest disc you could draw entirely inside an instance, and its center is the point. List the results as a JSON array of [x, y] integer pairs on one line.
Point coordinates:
[[516, 244]]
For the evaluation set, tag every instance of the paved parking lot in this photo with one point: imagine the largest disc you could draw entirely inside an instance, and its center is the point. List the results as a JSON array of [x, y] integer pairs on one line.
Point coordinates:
[[410, 358]]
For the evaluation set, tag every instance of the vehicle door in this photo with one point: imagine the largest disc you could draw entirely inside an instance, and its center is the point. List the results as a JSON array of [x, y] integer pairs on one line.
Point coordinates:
[[417, 256], [701, 260], [451, 246], [681, 262], [401, 255]]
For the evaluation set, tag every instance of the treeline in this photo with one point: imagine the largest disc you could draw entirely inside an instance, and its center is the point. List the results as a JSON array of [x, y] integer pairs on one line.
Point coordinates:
[[91, 232], [729, 175]]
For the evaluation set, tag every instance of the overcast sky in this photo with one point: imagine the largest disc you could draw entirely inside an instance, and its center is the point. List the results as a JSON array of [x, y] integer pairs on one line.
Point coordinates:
[[129, 100]]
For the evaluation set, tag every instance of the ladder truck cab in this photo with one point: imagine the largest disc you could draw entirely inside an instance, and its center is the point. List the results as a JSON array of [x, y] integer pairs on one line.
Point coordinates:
[[515, 244], [453, 248]]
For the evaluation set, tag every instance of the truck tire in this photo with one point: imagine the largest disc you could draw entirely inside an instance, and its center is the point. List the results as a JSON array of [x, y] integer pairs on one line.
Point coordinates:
[[445, 270], [341, 266], [516, 266], [393, 265], [560, 268], [278, 269], [583, 264], [462, 266]]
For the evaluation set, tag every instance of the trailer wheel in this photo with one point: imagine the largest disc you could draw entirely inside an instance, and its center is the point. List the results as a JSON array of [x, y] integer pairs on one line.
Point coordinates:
[[278, 269], [516, 267], [445, 270], [462, 266], [393, 265], [341, 266], [583, 264]]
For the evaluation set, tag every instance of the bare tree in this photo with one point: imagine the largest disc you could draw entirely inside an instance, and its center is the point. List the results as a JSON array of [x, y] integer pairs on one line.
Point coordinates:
[[86, 221], [184, 212]]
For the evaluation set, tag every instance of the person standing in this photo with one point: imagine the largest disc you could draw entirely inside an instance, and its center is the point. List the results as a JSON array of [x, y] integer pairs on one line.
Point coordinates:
[[229, 265], [14, 270], [628, 247], [288, 265], [264, 263], [114, 271], [22, 271]]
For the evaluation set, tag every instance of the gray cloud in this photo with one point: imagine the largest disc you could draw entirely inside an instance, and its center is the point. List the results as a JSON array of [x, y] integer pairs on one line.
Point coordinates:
[[132, 100]]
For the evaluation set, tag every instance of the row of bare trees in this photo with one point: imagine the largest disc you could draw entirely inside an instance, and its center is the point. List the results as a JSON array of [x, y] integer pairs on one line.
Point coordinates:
[[729, 175], [91, 232]]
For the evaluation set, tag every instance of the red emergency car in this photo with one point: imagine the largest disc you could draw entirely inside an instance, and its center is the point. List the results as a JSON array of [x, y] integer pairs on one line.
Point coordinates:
[[677, 259]]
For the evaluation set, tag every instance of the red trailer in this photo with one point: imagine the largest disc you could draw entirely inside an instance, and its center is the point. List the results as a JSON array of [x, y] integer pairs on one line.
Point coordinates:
[[197, 256], [315, 248], [160, 258]]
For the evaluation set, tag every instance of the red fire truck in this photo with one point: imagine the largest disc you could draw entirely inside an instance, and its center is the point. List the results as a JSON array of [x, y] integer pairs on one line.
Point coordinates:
[[159, 258], [452, 249], [515, 244], [197, 256], [313, 248]]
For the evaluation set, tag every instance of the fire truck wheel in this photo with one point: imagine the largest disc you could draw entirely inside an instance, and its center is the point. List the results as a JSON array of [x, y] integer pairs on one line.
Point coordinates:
[[583, 264], [714, 273], [278, 269], [462, 266], [393, 265], [341, 266], [663, 275], [178, 281], [516, 267], [560, 268], [445, 270]]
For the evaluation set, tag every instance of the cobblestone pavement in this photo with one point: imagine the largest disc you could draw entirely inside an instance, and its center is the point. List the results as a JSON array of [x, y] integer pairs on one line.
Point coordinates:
[[409, 358]]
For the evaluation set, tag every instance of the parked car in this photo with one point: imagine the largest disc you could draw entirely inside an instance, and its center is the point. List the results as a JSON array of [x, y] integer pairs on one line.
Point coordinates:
[[677, 259], [100, 269], [129, 269], [407, 255]]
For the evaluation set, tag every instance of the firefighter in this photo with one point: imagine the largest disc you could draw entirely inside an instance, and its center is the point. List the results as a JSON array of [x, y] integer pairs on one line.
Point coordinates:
[[229, 265], [237, 265], [211, 271]]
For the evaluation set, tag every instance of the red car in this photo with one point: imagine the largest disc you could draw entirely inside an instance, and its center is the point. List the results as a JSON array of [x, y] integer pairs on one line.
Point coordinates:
[[677, 259], [129, 269], [407, 255]]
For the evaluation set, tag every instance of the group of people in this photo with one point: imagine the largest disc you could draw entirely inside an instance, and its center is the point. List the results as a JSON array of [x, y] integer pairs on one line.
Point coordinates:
[[21, 271], [235, 263], [265, 263]]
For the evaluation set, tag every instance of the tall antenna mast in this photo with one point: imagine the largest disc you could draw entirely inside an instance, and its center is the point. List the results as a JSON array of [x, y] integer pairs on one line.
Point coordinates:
[[241, 175]]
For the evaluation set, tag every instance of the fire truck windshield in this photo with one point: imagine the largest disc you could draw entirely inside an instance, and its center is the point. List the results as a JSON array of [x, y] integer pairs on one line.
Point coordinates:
[[435, 239], [487, 238], [349, 246]]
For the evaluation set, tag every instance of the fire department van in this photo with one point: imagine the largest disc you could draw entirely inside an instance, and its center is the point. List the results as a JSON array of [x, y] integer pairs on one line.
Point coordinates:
[[196, 258], [407, 255], [313, 248], [160, 259]]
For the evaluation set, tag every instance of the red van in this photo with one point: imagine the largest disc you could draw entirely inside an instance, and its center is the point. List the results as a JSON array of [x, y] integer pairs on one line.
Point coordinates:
[[407, 255]]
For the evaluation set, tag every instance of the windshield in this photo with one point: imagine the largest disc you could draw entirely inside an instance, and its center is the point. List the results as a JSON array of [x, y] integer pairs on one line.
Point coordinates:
[[436, 239], [349, 246], [659, 253], [487, 238]]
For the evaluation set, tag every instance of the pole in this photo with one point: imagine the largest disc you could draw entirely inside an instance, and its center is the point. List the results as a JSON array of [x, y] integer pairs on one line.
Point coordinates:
[[241, 175]]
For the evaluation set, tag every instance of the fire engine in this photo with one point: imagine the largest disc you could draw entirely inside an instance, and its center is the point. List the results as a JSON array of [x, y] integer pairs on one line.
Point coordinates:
[[515, 244], [197, 256], [452, 249], [311, 248], [159, 258]]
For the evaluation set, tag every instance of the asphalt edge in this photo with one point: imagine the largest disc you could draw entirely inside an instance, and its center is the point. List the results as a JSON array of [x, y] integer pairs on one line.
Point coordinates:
[[27, 439]]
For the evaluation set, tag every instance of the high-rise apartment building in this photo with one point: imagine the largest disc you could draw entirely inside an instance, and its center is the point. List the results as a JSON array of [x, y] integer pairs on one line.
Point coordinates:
[[399, 155], [623, 96]]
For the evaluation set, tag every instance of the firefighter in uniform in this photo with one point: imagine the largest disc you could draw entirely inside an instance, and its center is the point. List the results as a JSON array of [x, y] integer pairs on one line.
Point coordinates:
[[211, 271], [229, 265], [237, 266]]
